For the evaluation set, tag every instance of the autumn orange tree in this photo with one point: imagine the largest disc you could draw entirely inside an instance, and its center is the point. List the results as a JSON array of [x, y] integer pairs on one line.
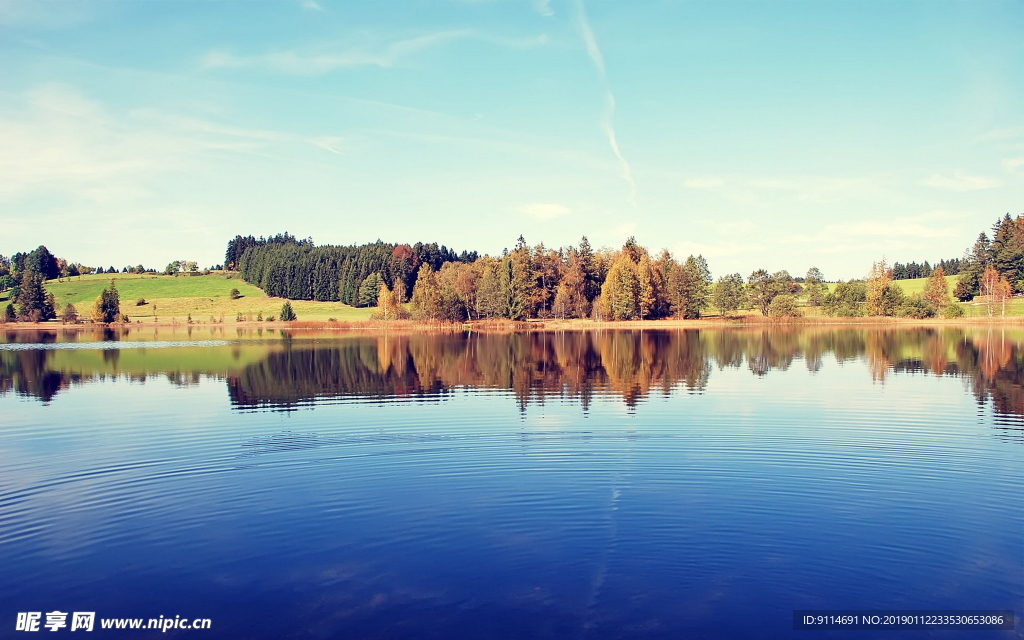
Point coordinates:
[[883, 296], [388, 305], [989, 287], [936, 292], [1004, 291]]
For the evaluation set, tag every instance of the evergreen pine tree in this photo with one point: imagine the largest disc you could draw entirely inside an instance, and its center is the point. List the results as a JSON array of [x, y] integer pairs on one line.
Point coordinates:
[[33, 302], [592, 285], [287, 313], [369, 289]]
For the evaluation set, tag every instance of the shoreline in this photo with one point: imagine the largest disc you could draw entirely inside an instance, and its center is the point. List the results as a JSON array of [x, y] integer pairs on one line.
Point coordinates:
[[526, 326]]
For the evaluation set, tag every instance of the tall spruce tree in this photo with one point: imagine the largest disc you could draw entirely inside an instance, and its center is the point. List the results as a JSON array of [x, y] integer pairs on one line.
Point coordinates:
[[33, 302], [369, 290], [517, 281], [107, 307], [592, 286]]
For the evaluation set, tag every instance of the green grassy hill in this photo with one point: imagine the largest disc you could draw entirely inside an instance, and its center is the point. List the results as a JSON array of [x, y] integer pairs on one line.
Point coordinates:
[[917, 285], [1014, 307], [202, 297]]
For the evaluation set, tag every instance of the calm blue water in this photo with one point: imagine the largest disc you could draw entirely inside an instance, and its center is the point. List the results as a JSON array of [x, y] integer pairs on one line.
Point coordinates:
[[605, 486]]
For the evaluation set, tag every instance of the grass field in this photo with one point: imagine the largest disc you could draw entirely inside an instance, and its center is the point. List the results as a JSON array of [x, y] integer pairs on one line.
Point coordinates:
[[170, 298], [917, 285], [910, 287]]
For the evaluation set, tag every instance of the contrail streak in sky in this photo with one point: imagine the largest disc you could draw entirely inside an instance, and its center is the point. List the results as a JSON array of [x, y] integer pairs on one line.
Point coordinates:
[[607, 124]]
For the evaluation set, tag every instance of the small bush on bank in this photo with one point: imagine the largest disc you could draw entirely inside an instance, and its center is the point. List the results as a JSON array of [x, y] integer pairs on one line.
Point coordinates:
[[952, 311], [915, 307], [784, 306]]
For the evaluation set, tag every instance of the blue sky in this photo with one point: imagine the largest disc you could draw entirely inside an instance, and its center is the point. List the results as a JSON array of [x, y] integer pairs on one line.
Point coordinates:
[[781, 135]]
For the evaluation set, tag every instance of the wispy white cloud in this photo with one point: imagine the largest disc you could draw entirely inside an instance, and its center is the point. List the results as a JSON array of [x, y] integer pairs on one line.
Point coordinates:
[[895, 235], [60, 141], [1013, 165], [334, 144], [899, 227], [960, 181], [812, 188], [502, 141], [717, 249], [1001, 135], [34, 13], [703, 182], [311, 5], [255, 139], [63, 141], [195, 125], [543, 7], [545, 210], [607, 120], [317, 63], [729, 226]]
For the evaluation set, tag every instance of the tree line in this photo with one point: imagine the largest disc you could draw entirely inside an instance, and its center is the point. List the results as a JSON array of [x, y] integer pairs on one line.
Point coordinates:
[[994, 267], [914, 270], [629, 283], [286, 267], [25, 275], [604, 284]]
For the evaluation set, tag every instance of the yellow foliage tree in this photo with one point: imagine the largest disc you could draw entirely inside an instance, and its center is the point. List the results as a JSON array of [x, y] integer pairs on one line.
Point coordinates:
[[936, 292], [877, 287]]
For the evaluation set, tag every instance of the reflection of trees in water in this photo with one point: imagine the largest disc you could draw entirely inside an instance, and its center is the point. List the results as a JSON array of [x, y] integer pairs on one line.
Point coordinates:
[[26, 373], [627, 364], [630, 365], [31, 373], [533, 366]]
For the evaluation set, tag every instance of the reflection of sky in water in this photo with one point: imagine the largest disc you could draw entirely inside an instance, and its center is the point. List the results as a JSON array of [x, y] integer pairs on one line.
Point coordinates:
[[470, 517]]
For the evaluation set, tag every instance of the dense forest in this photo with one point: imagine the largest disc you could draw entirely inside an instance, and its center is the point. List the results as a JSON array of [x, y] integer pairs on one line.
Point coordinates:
[[913, 270], [286, 267]]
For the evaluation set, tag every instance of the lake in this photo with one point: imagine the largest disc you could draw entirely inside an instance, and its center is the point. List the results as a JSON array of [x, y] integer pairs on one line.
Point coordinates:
[[606, 484]]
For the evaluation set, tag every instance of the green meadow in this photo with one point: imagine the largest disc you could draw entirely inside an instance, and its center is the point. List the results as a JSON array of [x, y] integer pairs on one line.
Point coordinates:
[[175, 298], [917, 285], [910, 287]]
